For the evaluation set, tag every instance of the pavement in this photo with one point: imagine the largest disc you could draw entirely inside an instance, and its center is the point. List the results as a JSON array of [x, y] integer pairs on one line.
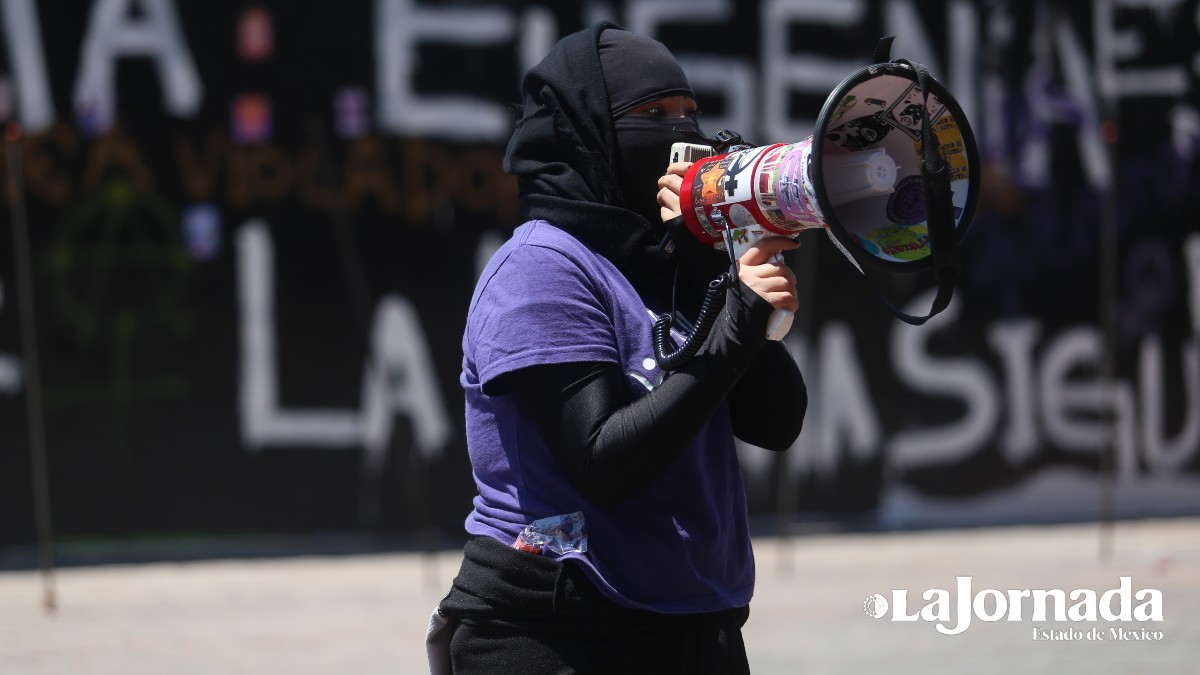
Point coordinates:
[[366, 614]]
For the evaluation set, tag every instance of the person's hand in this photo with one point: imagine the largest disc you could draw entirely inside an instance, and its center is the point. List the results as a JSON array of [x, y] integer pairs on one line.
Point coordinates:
[[669, 186], [773, 281]]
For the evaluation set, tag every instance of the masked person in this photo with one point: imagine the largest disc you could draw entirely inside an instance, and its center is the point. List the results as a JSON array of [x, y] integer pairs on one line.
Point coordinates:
[[568, 412]]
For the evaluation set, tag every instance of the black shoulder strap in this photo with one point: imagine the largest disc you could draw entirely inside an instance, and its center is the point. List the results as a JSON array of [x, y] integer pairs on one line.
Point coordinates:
[[883, 50], [939, 207]]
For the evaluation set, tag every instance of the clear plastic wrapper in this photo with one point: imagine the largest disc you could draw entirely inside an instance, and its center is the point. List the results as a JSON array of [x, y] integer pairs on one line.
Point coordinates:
[[559, 534]]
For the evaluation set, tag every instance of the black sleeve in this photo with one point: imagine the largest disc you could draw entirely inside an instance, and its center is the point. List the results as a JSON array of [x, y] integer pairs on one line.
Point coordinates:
[[610, 446], [769, 400]]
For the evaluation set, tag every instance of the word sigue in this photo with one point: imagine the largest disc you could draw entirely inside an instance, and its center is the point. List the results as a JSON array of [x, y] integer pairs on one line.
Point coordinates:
[[1010, 605]]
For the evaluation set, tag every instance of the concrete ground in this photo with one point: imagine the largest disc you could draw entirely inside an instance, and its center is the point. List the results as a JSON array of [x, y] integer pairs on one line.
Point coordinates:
[[367, 614]]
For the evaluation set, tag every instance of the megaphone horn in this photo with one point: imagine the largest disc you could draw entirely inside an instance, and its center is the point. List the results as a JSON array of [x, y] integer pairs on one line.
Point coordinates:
[[890, 173], [862, 175]]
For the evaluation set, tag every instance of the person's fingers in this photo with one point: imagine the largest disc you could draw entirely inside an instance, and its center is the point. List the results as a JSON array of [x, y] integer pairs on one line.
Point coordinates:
[[668, 194], [668, 199], [763, 250], [779, 299], [671, 182], [786, 301], [777, 290], [785, 271], [668, 202], [678, 168], [772, 280]]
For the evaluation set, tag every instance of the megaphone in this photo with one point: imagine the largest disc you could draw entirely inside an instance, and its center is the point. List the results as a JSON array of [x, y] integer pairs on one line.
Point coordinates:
[[890, 173]]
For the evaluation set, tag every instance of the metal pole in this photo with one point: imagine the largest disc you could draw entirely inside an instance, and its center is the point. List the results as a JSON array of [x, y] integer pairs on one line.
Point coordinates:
[[32, 376], [1108, 326], [362, 301], [786, 498]]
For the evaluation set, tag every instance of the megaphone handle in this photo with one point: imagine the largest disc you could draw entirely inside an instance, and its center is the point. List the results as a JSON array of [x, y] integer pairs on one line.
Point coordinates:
[[779, 324], [780, 321]]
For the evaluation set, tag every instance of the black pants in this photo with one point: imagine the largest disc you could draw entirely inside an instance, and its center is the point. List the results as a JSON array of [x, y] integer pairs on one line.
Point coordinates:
[[522, 613]]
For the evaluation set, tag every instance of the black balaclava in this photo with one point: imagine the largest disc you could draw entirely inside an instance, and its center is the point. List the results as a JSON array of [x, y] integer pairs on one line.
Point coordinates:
[[638, 70], [566, 157]]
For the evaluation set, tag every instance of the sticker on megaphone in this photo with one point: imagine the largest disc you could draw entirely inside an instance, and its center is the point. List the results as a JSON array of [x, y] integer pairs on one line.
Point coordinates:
[[743, 233], [773, 187], [768, 191]]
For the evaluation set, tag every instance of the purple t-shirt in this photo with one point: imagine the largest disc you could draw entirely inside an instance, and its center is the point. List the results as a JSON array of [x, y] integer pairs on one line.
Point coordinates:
[[680, 545]]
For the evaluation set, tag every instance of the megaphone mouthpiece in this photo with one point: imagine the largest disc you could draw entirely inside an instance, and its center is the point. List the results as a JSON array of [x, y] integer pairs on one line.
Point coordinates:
[[860, 174]]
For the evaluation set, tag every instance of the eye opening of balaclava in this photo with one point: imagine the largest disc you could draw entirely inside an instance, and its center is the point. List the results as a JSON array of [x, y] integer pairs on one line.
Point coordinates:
[[638, 70]]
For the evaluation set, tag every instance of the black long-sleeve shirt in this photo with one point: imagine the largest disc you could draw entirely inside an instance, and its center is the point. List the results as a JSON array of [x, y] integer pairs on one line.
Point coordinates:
[[611, 446]]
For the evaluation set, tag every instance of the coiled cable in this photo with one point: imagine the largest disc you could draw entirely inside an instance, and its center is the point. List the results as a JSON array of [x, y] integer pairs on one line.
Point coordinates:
[[714, 302]]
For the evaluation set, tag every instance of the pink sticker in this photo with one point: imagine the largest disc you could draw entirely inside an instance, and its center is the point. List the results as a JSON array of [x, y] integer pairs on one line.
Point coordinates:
[[93, 115], [6, 99], [352, 113], [256, 36], [202, 231], [789, 187], [794, 188], [251, 121]]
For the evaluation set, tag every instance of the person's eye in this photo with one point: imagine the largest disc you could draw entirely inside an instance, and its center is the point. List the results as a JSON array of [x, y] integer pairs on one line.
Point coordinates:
[[656, 111]]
